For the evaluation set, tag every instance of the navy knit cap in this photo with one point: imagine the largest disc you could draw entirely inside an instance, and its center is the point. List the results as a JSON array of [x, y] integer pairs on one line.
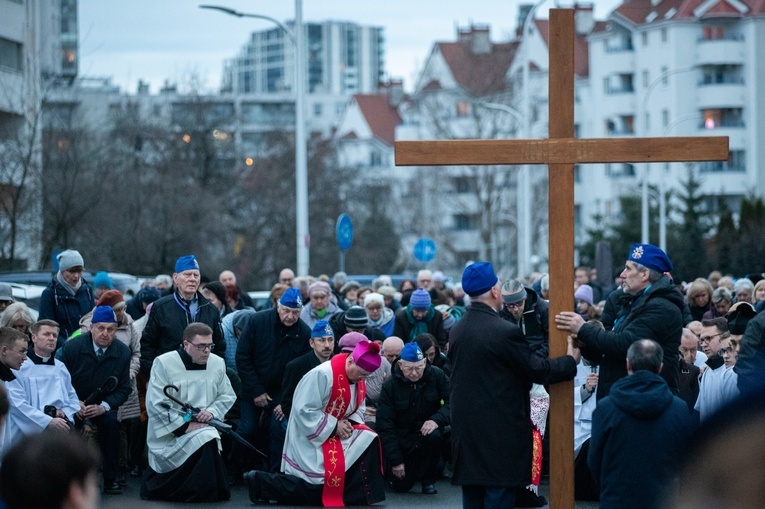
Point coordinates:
[[104, 314], [420, 299], [356, 318], [411, 353], [478, 278], [188, 262], [322, 329], [650, 256], [292, 299]]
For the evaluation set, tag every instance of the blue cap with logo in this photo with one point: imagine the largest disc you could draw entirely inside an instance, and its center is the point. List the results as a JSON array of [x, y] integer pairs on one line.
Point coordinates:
[[292, 299], [322, 329], [188, 262], [650, 256], [411, 353]]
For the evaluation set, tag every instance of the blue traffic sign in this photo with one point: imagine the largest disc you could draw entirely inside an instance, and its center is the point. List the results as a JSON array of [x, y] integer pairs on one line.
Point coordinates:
[[344, 232], [425, 250]]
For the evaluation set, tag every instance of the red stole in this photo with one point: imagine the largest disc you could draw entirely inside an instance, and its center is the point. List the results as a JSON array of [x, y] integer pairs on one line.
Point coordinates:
[[334, 456]]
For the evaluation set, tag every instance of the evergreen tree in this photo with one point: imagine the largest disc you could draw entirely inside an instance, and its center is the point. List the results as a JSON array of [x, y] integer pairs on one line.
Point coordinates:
[[751, 232], [725, 241], [687, 248]]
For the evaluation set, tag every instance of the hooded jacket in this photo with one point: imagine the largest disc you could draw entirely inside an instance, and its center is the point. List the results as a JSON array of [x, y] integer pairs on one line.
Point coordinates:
[[637, 439], [534, 323], [655, 313]]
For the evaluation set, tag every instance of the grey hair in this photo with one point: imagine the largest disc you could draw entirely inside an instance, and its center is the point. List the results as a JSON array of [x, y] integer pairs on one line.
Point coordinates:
[[646, 355], [653, 275]]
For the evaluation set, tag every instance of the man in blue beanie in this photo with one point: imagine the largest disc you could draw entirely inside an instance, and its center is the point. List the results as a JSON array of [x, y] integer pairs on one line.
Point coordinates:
[[651, 308], [420, 317], [171, 314], [92, 358], [270, 339], [412, 437]]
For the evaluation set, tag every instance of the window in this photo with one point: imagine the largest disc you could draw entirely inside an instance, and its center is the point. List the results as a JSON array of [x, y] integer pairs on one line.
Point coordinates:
[[664, 36], [462, 184], [736, 162], [375, 158], [11, 54], [664, 118], [645, 79], [317, 109], [644, 37], [464, 222], [664, 80], [462, 109], [722, 117]]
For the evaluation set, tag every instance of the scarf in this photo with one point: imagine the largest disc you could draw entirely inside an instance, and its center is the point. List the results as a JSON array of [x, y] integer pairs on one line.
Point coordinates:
[[418, 326], [69, 288]]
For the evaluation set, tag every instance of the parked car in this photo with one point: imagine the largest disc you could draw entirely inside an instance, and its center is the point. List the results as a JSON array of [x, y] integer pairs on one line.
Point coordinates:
[[29, 295], [260, 298], [366, 279], [126, 283]]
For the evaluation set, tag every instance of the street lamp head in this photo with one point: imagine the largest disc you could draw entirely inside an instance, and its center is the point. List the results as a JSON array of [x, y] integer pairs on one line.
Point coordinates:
[[222, 9]]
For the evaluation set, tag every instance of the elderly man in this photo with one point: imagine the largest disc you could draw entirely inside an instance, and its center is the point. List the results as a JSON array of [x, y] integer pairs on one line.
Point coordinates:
[[330, 457], [719, 383], [688, 382], [228, 278], [322, 347], [419, 317], [270, 339], [91, 359], [320, 307], [184, 454], [172, 313], [68, 297], [286, 276], [424, 279], [493, 369], [42, 387], [651, 309], [391, 348], [524, 308], [638, 434], [412, 413]]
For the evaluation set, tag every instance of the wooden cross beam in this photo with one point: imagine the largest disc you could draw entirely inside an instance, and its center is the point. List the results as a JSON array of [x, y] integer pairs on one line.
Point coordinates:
[[560, 153]]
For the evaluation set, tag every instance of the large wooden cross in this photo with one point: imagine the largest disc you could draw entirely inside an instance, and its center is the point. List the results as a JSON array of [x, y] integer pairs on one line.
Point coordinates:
[[560, 152]]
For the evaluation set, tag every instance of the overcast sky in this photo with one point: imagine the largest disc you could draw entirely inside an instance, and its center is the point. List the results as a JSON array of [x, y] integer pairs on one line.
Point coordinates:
[[158, 40]]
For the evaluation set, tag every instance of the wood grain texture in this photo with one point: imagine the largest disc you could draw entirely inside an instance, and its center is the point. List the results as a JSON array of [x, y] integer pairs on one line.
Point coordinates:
[[561, 250], [561, 151]]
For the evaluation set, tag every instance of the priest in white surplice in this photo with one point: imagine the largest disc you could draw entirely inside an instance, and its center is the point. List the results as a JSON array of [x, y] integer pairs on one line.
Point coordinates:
[[41, 382], [184, 453], [330, 457]]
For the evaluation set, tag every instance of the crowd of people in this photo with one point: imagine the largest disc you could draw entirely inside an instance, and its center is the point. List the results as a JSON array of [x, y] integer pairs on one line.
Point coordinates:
[[336, 391]]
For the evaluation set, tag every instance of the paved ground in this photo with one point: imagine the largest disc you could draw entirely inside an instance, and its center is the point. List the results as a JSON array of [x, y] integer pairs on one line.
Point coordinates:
[[448, 497]]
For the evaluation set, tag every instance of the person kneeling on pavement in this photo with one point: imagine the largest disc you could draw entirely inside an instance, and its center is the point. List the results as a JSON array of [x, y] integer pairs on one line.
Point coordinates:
[[412, 413]]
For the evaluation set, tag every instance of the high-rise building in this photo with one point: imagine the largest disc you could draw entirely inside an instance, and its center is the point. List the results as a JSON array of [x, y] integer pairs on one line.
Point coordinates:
[[342, 58]]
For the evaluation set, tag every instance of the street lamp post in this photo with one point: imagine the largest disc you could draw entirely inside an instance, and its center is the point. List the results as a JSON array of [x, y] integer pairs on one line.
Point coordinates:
[[297, 36], [644, 233]]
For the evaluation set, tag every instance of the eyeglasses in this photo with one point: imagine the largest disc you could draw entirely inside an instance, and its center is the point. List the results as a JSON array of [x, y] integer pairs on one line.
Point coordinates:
[[514, 305], [21, 352], [203, 347], [707, 339], [723, 351], [412, 368]]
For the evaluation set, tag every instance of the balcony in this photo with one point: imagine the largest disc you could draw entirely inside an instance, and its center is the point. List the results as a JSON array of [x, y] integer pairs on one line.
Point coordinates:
[[728, 93], [725, 50]]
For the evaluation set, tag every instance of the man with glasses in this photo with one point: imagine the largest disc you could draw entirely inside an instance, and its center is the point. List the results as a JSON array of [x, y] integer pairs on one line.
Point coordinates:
[[330, 457], [412, 413], [270, 339], [322, 347], [524, 308], [185, 464], [91, 358], [718, 382]]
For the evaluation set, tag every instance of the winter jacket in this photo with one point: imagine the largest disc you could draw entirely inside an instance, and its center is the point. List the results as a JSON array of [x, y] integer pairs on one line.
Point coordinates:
[[655, 313], [168, 319], [404, 326], [404, 406], [750, 366], [264, 349], [56, 303], [534, 323], [637, 441]]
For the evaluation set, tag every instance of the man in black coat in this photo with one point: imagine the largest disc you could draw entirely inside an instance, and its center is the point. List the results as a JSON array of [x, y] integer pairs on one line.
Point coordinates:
[[270, 339], [410, 420], [524, 308], [493, 369], [750, 365], [420, 317], [171, 314], [638, 434], [91, 359], [652, 309], [322, 346]]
